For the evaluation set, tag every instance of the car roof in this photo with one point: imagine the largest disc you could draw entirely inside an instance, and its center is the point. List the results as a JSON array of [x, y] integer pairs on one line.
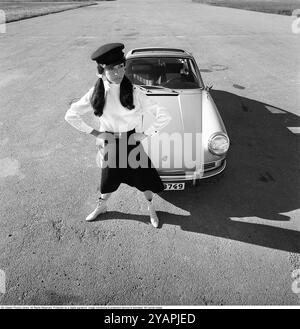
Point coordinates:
[[158, 52]]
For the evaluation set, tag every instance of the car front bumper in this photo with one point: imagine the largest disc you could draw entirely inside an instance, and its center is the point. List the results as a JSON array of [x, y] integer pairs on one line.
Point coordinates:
[[171, 177]]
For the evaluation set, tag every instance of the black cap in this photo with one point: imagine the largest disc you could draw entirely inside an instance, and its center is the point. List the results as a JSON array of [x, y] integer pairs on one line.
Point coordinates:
[[110, 53]]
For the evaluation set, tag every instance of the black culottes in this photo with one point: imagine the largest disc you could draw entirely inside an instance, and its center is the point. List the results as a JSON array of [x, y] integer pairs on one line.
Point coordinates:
[[125, 161]]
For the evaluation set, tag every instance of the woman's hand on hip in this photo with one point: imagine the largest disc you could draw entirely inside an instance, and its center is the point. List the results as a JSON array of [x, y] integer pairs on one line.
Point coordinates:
[[139, 136], [101, 137]]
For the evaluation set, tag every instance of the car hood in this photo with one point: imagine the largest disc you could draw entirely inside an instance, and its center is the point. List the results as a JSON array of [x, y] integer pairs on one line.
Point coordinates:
[[175, 148]]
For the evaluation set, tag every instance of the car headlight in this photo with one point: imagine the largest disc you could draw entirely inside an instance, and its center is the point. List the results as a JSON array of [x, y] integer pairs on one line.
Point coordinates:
[[218, 143]]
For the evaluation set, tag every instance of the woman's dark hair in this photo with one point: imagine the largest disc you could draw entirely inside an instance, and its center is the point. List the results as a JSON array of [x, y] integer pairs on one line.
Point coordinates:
[[98, 96]]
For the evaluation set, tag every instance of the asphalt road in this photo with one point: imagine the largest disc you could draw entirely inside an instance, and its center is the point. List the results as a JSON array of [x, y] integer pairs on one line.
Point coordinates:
[[231, 240]]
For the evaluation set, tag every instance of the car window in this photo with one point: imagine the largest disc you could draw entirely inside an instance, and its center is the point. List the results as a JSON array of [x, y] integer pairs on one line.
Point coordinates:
[[176, 73]]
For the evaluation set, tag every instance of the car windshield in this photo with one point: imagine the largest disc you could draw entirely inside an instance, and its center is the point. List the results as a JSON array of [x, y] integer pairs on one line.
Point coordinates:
[[169, 72]]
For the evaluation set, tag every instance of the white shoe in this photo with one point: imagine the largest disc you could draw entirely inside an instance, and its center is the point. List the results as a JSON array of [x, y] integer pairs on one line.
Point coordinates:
[[153, 217], [100, 209]]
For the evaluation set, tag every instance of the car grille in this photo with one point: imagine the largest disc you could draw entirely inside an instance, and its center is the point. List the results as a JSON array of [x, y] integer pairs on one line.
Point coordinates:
[[174, 173], [210, 165], [207, 167]]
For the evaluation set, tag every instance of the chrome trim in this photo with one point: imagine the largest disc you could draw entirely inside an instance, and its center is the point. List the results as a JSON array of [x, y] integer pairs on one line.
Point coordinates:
[[157, 49], [192, 176]]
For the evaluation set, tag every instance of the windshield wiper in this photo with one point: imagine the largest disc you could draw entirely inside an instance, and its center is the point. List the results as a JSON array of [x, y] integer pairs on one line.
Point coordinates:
[[158, 87]]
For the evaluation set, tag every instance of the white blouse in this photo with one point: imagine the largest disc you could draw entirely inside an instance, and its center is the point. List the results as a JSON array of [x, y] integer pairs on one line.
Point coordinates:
[[115, 117]]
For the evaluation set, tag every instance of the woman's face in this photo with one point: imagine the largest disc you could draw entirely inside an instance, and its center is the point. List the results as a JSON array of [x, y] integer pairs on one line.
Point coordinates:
[[115, 73]]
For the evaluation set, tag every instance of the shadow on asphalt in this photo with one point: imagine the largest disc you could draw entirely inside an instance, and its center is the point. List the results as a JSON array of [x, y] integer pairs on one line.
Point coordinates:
[[261, 180]]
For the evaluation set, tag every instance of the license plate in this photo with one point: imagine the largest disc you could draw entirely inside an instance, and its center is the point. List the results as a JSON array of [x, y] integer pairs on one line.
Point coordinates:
[[174, 186]]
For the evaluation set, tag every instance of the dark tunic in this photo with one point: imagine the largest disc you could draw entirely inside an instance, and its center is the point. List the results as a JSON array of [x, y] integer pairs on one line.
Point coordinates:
[[130, 165]]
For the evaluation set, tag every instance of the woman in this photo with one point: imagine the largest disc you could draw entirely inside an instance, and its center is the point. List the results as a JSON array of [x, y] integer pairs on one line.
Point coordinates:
[[120, 107]]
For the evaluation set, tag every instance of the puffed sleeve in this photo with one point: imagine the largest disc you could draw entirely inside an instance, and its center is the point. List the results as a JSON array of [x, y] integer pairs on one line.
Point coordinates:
[[162, 116], [77, 109]]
